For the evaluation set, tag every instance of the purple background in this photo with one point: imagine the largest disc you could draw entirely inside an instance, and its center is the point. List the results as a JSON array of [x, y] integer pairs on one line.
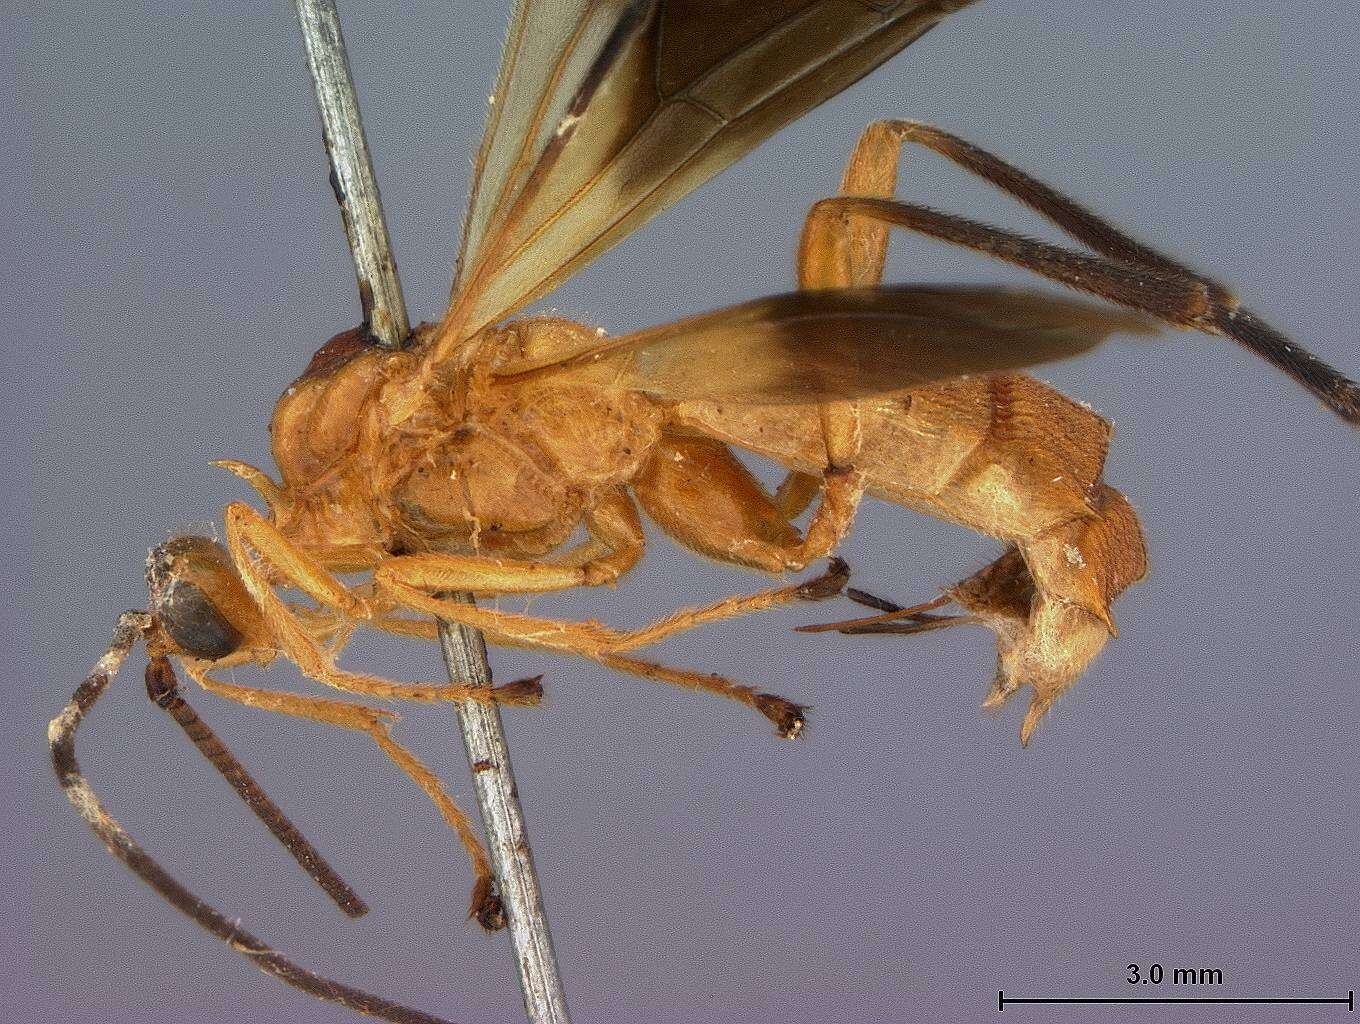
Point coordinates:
[[173, 258]]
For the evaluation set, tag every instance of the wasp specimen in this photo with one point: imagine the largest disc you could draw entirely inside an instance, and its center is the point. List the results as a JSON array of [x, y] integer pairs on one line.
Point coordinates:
[[467, 461]]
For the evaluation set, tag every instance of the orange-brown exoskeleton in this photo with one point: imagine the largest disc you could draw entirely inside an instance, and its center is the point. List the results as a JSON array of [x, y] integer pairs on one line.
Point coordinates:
[[467, 461]]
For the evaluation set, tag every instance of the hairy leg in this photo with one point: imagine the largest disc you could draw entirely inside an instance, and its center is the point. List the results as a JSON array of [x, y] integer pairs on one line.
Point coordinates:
[[417, 581], [417, 586], [373, 722], [264, 557], [412, 581]]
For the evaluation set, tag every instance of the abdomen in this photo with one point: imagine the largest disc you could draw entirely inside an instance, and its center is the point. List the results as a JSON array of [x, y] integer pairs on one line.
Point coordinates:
[[1004, 455]]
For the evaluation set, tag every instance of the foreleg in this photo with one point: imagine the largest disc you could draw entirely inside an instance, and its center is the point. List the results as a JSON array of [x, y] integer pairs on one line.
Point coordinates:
[[374, 723], [255, 543]]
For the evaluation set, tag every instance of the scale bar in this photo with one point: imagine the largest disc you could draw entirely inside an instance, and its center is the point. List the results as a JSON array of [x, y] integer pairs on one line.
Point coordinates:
[[1348, 1000]]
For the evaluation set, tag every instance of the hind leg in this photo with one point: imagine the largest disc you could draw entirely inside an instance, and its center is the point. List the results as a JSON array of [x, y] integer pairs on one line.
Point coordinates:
[[837, 233]]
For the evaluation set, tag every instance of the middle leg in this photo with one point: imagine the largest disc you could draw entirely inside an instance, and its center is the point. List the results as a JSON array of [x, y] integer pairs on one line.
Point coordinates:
[[417, 581], [599, 643]]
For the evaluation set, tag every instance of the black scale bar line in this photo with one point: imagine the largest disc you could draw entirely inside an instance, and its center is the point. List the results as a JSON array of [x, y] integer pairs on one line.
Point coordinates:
[[1348, 1000]]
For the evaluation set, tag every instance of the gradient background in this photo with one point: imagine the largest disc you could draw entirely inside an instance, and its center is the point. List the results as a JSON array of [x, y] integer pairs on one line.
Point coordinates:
[[174, 256]]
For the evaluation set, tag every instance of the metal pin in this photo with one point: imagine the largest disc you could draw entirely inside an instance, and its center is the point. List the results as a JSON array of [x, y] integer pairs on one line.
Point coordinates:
[[464, 650], [507, 840]]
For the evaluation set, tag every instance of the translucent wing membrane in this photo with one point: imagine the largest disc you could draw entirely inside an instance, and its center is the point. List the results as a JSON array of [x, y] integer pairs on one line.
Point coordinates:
[[549, 48], [853, 342], [607, 113]]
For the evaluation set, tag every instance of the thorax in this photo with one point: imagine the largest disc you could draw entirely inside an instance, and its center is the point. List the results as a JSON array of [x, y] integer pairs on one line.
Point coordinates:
[[373, 452]]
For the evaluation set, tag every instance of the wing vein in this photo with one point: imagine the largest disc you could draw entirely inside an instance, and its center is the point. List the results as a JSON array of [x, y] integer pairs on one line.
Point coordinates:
[[625, 212], [513, 45], [676, 92], [500, 209]]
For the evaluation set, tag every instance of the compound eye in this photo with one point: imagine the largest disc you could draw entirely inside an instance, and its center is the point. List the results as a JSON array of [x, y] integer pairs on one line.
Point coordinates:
[[198, 598]]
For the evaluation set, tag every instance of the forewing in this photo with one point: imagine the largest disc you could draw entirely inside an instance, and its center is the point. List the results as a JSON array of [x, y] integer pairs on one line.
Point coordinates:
[[549, 47], [607, 113], [854, 342]]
